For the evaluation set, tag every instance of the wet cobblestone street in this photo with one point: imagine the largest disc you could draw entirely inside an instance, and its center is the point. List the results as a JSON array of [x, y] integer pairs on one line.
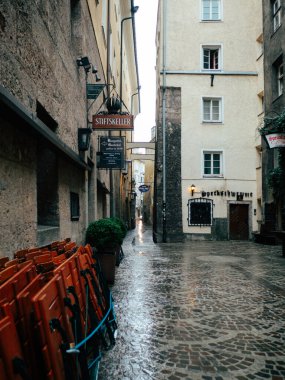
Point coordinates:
[[197, 310]]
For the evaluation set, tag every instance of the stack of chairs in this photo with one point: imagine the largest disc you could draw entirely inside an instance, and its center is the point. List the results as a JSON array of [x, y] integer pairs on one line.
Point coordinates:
[[56, 314]]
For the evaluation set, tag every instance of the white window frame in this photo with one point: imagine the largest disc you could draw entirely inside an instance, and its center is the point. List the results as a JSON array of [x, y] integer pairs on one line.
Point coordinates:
[[104, 18], [211, 19], [220, 55], [211, 99], [276, 9], [280, 78], [212, 174]]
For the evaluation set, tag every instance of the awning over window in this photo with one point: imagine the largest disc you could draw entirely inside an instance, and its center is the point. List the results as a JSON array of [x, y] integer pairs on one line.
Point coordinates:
[[12, 110]]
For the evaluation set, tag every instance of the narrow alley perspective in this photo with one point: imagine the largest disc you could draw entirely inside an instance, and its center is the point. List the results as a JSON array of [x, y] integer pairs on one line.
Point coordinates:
[[197, 310]]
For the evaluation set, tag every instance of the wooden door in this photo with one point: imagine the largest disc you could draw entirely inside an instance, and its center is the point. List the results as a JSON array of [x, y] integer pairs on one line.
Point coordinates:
[[239, 224]]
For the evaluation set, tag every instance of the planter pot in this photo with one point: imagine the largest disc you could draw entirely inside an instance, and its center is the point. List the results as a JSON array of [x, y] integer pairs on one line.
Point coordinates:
[[107, 262], [119, 255]]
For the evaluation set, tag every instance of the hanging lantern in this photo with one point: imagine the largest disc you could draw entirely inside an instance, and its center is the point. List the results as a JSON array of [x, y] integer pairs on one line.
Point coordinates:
[[113, 105]]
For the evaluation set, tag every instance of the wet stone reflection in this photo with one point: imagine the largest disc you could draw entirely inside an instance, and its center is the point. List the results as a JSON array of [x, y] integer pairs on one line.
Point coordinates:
[[198, 310]]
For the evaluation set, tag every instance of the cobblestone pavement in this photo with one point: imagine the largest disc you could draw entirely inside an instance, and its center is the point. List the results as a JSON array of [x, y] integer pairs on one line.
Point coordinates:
[[198, 310]]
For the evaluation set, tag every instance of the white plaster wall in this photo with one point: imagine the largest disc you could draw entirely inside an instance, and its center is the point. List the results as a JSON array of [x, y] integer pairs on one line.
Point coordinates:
[[236, 136]]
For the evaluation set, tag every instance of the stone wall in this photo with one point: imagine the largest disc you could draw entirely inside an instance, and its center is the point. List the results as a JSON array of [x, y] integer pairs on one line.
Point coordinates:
[[173, 170], [274, 50], [39, 44], [18, 212]]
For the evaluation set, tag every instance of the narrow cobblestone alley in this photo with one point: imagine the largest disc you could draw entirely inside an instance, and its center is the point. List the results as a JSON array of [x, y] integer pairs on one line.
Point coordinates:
[[198, 310]]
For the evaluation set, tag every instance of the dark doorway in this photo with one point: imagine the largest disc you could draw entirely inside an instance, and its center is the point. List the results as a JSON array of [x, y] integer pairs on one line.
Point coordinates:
[[239, 227]]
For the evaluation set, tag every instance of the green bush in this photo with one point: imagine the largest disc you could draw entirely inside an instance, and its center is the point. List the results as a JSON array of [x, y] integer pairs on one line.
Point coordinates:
[[121, 224], [104, 234]]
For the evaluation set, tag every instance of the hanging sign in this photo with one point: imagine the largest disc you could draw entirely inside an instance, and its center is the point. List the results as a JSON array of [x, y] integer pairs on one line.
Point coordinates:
[[144, 188], [112, 153], [94, 90], [113, 122], [275, 140]]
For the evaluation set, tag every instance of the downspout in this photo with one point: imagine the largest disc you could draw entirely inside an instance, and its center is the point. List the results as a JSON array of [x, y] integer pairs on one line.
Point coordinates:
[[164, 124], [112, 198], [136, 55]]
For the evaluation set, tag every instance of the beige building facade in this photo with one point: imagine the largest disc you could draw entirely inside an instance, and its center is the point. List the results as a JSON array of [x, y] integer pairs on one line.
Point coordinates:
[[210, 70], [51, 188]]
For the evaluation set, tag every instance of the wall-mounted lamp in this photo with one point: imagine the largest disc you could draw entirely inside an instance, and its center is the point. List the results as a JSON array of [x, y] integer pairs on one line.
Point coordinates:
[[84, 138], [85, 63], [95, 71], [192, 188], [136, 93], [134, 9], [132, 195]]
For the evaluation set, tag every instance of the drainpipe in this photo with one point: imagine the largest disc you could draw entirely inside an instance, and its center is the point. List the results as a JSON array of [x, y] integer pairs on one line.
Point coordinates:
[[112, 198], [136, 56], [164, 124]]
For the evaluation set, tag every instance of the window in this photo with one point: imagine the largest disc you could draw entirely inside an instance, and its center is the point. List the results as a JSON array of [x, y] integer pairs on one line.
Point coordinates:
[[276, 14], [211, 10], [74, 206], [280, 79], [212, 110], [47, 187], [211, 57], [278, 74], [212, 164], [47, 175], [45, 117], [200, 212], [75, 20], [104, 18]]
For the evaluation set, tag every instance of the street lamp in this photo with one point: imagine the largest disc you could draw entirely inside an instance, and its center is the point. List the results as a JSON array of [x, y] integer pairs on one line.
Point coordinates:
[[133, 11], [84, 139], [84, 62], [192, 188], [136, 93]]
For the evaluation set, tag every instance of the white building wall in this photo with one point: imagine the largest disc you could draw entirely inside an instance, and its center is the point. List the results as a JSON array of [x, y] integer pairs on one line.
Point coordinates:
[[237, 83]]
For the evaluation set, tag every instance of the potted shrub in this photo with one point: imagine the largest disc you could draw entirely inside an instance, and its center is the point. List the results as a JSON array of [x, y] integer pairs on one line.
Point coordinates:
[[119, 252], [107, 237]]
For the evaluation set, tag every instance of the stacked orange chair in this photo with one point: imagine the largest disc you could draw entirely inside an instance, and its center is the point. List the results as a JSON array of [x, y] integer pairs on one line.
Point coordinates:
[[56, 313]]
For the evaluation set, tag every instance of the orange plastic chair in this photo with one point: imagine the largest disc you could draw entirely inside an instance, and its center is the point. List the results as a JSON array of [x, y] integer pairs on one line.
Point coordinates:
[[30, 332], [3, 261], [12, 364], [12, 286], [20, 254], [44, 258], [10, 263], [55, 330], [7, 273]]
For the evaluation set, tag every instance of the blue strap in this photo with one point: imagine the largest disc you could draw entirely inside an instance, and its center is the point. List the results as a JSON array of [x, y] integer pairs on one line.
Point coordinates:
[[80, 344], [94, 361]]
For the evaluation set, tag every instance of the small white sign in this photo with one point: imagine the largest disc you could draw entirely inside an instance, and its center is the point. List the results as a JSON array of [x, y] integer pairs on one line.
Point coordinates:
[[276, 140]]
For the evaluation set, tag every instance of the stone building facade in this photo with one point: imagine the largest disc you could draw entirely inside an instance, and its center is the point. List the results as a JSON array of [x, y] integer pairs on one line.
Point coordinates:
[[49, 190], [209, 77], [171, 218], [274, 105]]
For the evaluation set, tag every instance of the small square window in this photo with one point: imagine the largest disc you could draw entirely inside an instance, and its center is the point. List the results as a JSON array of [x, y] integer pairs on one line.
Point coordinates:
[[211, 10], [211, 58], [200, 212], [278, 76], [212, 110], [212, 164], [74, 206], [276, 12]]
